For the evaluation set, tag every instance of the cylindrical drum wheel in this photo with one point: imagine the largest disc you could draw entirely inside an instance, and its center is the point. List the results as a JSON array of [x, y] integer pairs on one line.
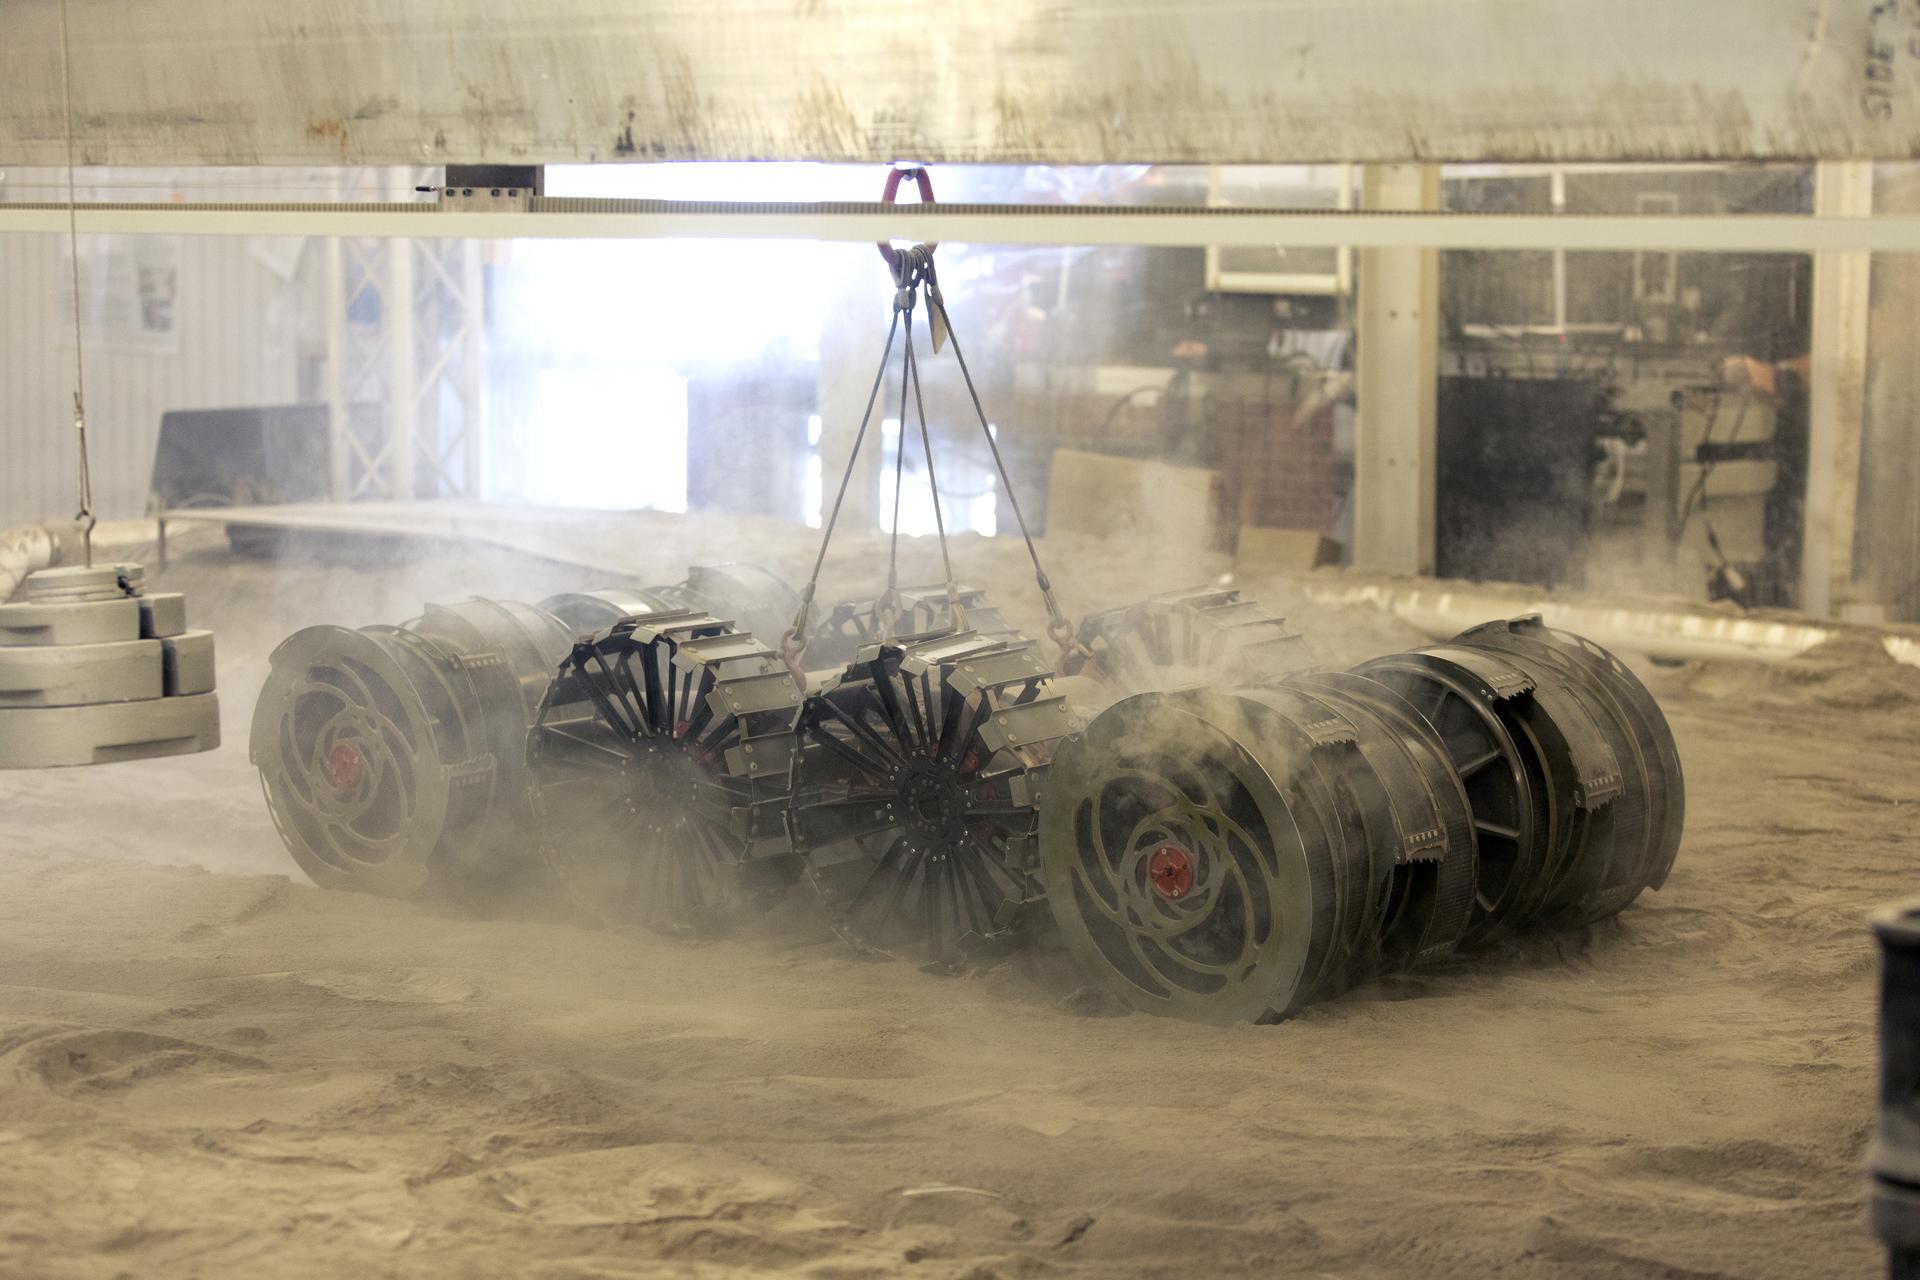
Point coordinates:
[[1506, 787], [1338, 803], [393, 758], [1639, 810], [1175, 867], [1179, 638], [584, 612], [506, 654], [923, 763], [1431, 901], [1572, 760], [753, 597], [358, 762], [1667, 791]]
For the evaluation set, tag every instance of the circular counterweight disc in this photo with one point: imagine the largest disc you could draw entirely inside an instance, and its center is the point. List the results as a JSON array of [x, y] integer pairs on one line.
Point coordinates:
[[46, 737], [77, 675], [83, 622]]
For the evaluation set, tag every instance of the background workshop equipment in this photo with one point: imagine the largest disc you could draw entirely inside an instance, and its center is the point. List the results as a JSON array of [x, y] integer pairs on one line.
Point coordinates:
[[1127, 720]]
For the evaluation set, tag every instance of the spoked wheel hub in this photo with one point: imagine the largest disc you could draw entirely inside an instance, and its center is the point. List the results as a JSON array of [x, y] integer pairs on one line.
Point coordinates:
[[346, 767], [934, 799], [661, 768], [1175, 869], [1170, 871], [919, 833]]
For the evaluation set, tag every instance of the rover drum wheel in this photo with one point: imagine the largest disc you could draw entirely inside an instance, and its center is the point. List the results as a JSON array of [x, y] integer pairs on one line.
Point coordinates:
[[1176, 871], [929, 756], [393, 758], [1199, 635], [365, 757], [1642, 815], [1459, 693], [660, 763], [848, 628]]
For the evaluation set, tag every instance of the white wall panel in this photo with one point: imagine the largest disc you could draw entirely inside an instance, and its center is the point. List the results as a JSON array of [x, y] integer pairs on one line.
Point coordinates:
[[235, 331]]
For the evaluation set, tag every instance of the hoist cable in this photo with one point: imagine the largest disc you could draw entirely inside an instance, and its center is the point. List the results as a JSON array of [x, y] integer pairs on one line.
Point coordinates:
[[84, 516], [1058, 627], [890, 601], [933, 484], [794, 643]]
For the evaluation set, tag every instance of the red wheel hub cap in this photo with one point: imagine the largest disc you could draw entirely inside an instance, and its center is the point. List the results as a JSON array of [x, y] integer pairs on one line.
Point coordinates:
[[1170, 871], [345, 766]]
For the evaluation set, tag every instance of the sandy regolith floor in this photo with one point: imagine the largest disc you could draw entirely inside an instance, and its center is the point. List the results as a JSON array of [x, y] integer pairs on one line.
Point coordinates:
[[208, 1067]]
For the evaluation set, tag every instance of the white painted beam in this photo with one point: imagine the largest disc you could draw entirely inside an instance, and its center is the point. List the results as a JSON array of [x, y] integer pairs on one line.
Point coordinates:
[[558, 219]]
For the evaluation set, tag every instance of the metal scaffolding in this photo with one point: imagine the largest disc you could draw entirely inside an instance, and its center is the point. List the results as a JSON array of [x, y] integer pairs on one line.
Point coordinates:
[[406, 327]]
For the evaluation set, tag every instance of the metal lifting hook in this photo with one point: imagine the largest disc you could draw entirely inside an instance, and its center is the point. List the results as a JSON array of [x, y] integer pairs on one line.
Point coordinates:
[[914, 266], [890, 194], [912, 269]]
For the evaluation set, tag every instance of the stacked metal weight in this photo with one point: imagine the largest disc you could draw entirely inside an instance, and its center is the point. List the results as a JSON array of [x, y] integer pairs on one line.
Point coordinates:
[[95, 670], [1238, 854]]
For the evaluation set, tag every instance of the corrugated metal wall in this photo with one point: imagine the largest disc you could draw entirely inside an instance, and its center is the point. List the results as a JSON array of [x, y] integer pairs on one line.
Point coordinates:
[[235, 342], [235, 325]]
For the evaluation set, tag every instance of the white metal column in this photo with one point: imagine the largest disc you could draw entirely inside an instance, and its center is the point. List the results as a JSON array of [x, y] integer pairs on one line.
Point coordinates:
[[339, 428], [473, 370], [406, 335], [1888, 573], [396, 324], [1836, 391], [1397, 331]]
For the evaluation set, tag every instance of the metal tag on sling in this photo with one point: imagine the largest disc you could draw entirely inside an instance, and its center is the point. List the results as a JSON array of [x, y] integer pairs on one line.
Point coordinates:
[[937, 324]]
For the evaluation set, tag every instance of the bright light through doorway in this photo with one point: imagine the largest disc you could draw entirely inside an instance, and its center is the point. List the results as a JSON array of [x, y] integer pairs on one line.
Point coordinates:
[[612, 439]]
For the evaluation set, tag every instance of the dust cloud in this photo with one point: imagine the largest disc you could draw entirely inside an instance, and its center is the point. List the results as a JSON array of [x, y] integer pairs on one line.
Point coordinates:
[[211, 1067]]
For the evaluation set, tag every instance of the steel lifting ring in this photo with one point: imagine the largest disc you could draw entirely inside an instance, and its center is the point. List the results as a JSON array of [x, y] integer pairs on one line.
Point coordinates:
[[890, 194]]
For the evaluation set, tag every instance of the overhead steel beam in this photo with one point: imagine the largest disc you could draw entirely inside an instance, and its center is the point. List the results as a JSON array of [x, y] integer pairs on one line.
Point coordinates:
[[559, 218], [200, 82]]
